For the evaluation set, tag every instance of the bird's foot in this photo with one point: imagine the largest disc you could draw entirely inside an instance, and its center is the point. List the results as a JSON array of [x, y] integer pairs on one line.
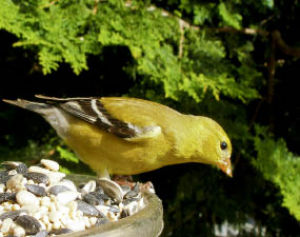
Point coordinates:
[[127, 180], [124, 180]]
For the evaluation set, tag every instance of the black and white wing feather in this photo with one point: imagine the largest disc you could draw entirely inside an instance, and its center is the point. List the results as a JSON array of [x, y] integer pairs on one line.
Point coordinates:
[[93, 111]]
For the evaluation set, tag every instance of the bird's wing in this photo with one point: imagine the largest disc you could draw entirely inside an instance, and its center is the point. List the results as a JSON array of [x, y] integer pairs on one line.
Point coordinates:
[[101, 113]]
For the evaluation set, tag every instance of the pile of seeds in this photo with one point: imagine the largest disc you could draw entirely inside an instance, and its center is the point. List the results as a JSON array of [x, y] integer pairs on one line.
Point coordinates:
[[39, 201]]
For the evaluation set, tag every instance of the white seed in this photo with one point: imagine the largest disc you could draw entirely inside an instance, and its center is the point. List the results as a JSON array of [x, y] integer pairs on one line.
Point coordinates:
[[68, 183], [41, 212], [86, 222], [30, 181], [112, 217], [6, 225], [48, 226], [60, 211], [64, 220], [43, 226], [15, 183], [15, 207], [12, 172], [52, 206], [45, 201], [56, 225], [75, 225], [66, 197], [55, 177], [103, 209], [19, 231], [2, 188], [79, 214], [54, 216], [63, 210], [131, 208], [11, 164], [93, 220], [45, 220], [72, 209], [7, 206], [31, 209], [38, 169], [89, 187], [50, 164], [42, 185], [25, 198]]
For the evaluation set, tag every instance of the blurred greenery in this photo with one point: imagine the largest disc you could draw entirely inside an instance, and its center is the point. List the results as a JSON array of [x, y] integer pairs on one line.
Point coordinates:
[[220, 59]]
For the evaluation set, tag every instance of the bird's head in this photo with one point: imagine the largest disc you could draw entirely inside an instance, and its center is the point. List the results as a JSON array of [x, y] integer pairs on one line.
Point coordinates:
[[213, 146]]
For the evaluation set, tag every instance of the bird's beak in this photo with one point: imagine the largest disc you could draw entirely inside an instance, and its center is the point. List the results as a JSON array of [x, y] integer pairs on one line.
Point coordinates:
[[225, 166]]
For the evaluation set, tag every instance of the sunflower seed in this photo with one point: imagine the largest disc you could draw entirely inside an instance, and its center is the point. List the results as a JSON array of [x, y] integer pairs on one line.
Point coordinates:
[[125, 188], [29, 223], [111, 188], [87, 209], [7, 197], [37, 177], [130, 200], [92, 199], [36, 190], [11, 214], [68, 183], [5, 178], [10, 165], [42, 203], [22, 168], [90, 186], [56, 189], [131, 194], [99, 190]]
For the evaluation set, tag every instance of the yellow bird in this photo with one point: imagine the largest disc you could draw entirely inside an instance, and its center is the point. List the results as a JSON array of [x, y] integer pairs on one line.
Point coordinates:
[[129, 136]]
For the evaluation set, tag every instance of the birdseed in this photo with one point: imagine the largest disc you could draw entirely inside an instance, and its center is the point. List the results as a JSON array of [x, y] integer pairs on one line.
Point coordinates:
[[39, 201]]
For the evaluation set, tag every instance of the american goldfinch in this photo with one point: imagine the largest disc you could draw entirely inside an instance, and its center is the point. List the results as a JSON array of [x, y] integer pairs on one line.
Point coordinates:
[[129, 136]]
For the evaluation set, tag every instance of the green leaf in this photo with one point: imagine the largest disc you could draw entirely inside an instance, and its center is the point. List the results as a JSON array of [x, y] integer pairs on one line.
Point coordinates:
[[229, 17], [67, 155]]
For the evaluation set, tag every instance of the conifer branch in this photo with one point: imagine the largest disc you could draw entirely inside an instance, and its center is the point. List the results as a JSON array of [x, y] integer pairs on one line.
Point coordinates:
[[181, 28], [279, 42]]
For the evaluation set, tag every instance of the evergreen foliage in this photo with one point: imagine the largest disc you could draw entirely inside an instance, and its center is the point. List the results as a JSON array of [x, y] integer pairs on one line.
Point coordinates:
[[212, 58]]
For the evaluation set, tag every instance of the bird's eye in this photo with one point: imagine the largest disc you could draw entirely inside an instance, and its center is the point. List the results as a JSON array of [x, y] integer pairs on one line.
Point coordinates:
[[223, 145]]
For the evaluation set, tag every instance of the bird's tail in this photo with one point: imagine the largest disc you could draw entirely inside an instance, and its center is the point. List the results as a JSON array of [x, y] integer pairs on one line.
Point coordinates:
[[55, 116], [40, 108]]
